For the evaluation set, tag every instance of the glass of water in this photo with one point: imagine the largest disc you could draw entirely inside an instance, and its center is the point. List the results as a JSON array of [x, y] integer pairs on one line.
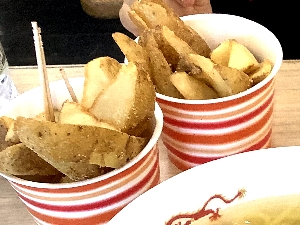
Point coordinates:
[[8, 90]]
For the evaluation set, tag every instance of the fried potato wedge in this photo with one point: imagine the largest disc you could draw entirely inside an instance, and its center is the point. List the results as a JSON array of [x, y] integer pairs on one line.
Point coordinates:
[[241, 58], [11, 135], [137, 21], [151, 13], [221, 54], [154, 15], [5, 124], [159, 2], [20, 160], [99, 74], [236, 79], [178, 47], [77, 151], [128, 101], [185, 66], [210, 74], [160, 68], [191, 87], [234, 54], [169, 53], [74, 113], [132, 50], [261, 72]]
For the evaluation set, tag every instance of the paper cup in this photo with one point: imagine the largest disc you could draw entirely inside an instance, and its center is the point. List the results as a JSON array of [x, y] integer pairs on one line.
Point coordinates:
[[198, 131], [93, 201]]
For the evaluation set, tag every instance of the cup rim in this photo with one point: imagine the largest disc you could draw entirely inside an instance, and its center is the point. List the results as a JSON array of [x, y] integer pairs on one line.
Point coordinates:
[[275, 69], [158, 115]]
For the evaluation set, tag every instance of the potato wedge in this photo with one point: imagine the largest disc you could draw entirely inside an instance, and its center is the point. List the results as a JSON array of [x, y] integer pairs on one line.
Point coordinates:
[[236, 79], [99, 74], [11, 135], [185, 66], [154, 15], [137, 21], [73, 113], [169, 53], [77, 151], [5, 123], [261, 72], [159, 2], [241, 58], [221, 54], [128, 101], [178, 46], [210, 74], [20, 160], [151, 13], [132, 50], [191, 87], [160, 68]]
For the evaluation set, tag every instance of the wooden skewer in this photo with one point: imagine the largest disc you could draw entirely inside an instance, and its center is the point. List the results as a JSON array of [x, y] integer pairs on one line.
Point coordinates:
[[69, 87], [41, 62]]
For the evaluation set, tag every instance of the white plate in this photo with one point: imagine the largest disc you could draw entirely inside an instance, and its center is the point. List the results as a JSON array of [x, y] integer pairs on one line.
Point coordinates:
[[262, 173]]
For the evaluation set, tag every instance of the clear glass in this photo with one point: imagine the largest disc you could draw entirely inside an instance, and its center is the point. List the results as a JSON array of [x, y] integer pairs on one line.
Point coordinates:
[[8, 90]]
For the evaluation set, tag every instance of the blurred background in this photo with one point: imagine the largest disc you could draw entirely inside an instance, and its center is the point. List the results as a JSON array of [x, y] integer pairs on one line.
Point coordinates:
[[70, 36]]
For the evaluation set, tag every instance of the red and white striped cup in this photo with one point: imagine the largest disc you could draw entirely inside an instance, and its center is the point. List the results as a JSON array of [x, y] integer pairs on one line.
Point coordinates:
[[198, 131], [94, 201]]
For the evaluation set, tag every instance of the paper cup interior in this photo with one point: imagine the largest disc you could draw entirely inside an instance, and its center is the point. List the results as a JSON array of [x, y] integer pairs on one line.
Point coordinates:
[[30, 103]]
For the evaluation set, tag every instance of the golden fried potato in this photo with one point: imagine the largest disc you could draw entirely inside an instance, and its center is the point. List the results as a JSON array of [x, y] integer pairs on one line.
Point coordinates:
[[154, 15], [191, 87], [11, 135], [241, 58], [159, 2], [234, 54], [151, 13], [128, 101], [132, 50], [5, 124], [185, 66], [178, 46], [261, 72], [210, 74], [74, 113], [99, 74], [160, 69], [77, 151], [236, 79], [41, 116], [20, 160], [169, 53], [221, 54], [137, 21]]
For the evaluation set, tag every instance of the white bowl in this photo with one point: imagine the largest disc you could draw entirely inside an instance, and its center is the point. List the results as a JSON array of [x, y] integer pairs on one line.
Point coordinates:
[[262, 173]]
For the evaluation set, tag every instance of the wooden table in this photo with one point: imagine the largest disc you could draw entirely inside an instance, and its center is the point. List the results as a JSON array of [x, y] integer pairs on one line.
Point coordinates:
[[286, 128]]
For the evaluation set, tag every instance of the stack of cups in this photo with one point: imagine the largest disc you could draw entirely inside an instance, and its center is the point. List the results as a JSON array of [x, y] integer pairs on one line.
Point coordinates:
[[7, 89]]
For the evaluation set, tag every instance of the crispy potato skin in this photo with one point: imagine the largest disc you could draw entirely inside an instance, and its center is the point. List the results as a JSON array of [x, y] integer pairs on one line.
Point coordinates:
[[20, 160], [78, 151]]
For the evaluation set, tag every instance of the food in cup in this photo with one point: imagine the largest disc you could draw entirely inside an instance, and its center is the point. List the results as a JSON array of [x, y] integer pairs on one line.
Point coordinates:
[[84, 142], [180, 62], [225, 110]]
